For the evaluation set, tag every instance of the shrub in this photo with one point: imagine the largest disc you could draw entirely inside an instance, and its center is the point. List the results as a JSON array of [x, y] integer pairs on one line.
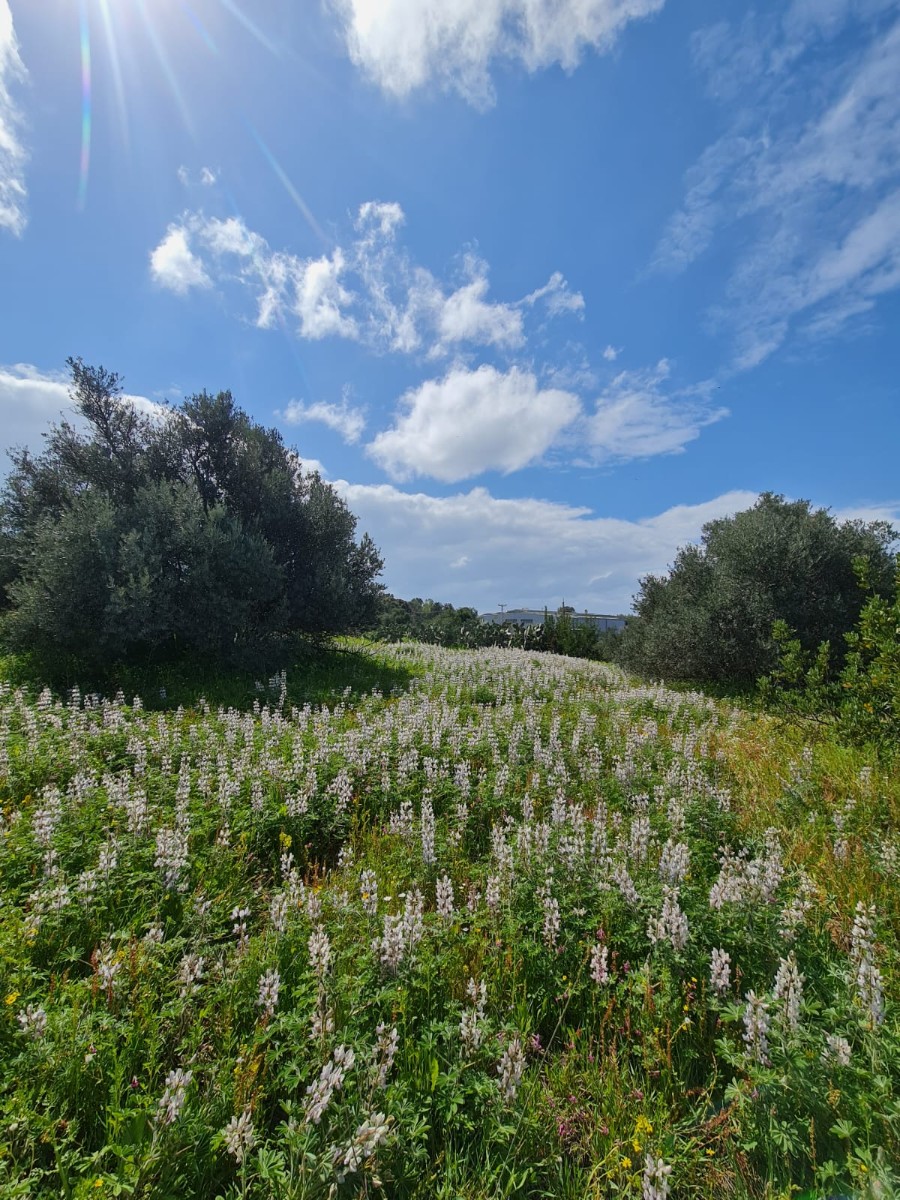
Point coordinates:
[[711, 618]]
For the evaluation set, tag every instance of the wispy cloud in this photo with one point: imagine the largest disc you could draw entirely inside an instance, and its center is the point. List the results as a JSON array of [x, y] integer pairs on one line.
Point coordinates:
[[12, 151], [345, 418], [810, 167], [403, 45], [368, 290], [639, 415]]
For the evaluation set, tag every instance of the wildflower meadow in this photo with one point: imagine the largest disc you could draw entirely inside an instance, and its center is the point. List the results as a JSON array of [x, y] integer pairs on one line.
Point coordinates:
[[514, 925]]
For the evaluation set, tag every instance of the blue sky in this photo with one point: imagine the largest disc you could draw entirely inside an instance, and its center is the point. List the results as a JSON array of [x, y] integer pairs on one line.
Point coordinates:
[[540, 285]]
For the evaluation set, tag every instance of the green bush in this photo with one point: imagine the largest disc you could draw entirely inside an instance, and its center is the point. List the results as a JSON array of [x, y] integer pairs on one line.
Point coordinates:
[[711, 619], [863, 697]]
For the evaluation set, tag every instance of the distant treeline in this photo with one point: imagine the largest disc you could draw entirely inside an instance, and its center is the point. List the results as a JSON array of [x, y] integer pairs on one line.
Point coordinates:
[[443, 625]]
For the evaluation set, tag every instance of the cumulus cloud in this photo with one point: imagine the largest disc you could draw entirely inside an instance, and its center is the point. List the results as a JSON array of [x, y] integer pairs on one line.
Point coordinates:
[[402, 45], [368, 290], [810, 165], [635, 417], [473, 421], [12, 151], [174, 265], [344, 418], [472, 548]]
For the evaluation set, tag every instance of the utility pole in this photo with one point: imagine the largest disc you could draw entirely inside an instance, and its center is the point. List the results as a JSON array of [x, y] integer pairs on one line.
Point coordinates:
[[503, 608]]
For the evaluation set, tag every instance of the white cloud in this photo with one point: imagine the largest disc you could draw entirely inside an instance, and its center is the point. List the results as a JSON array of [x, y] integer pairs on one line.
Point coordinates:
[[635, 417], [12, 152], [368, 290], [404, 44], [472, 548], [343, 418], [174, 265], [473, 421], [810, 165], [611, 353], [558, 296], [320, 298], [465, 316]]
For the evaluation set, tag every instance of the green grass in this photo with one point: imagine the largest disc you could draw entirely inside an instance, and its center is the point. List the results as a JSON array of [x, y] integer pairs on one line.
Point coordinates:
[[559, 764]]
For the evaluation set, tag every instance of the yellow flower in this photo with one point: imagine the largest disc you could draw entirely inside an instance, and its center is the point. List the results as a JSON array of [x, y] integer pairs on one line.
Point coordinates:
[[11, 998], [626, 1163], [98, 1183], [710, 1153], [636, 1145], [642, 1125]]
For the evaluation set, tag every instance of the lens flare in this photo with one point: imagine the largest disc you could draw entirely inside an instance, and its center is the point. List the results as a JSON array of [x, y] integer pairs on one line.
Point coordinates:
[[240, 16], [113, 52], [166, 66], [85, 166], [283, 179], [200, 27]]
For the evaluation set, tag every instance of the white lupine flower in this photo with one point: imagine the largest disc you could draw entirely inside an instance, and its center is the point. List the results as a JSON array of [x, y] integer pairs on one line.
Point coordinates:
[[269, 987], [239, 928], [190, 974], [331, 1080], [470, 1025], [867, 977], [674, 862], [656, 1178], [239, 1135], [837, 1050], [108, 967], [365, 1141], [672, 924], [720, 971], [390, 946], [625, 884], [319, 952], [155, 935], [789, 990], [600, 965], [385, 1050], [756, 1027], [172, 857], [172, 1100], [444, 897], [870, 989], [510, 1070], [427, 822], [278, 910], [368, 889], [32, 1021]]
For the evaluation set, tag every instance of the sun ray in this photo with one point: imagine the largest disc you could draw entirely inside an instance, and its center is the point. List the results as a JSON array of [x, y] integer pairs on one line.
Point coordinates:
[[166, 66], [286, 183], [85, 164], [239, 15], [200, 27], [113, 51]]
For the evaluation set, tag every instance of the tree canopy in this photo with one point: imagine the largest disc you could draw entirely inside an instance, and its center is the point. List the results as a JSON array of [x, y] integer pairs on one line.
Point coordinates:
[[190, 528], [711, 617]]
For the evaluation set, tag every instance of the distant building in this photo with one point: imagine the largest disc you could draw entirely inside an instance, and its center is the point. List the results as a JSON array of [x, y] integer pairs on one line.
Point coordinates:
[[537, 616]]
